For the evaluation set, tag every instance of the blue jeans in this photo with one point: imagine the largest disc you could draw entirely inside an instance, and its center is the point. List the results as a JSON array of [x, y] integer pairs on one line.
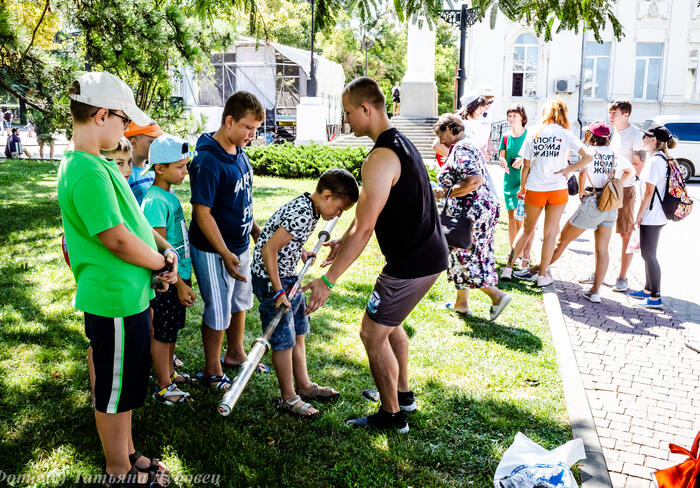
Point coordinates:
[[292, 323]]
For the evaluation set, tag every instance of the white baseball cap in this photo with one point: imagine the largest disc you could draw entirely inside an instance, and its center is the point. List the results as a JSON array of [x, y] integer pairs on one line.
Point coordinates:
[[468, 98], [486, 91], [167, 149], [104, 90]]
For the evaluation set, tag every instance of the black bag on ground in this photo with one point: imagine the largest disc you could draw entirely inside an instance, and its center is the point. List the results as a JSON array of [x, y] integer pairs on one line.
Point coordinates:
[[457, 229]]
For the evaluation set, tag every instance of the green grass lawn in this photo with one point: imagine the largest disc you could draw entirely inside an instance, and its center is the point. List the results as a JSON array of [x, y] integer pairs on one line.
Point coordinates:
[[472, 378]]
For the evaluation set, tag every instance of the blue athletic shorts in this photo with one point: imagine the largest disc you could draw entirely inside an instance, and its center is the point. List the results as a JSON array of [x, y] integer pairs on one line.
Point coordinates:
[[222, 294]]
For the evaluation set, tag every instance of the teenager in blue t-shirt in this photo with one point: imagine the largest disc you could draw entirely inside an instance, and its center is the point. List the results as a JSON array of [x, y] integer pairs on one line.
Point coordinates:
[[222, 222]]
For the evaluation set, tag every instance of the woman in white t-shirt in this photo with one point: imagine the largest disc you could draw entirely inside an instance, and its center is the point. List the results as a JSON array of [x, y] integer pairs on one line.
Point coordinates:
[[650, 217], [543, 180], [607, 163]]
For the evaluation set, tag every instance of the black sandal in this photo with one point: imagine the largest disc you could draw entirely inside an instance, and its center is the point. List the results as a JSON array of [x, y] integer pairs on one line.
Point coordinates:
[[154, 467]]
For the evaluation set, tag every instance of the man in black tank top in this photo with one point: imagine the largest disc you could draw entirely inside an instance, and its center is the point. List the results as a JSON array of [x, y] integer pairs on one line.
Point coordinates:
[[397, 203]]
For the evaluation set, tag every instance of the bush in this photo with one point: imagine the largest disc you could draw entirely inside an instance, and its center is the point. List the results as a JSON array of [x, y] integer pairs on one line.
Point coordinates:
[[290, 161]]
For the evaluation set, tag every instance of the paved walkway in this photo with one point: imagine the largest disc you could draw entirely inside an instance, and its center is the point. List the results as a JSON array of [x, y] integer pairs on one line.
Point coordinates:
[[641, 380]]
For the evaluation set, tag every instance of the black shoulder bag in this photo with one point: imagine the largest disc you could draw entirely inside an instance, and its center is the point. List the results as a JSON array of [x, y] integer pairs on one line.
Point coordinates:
[[457, 229]]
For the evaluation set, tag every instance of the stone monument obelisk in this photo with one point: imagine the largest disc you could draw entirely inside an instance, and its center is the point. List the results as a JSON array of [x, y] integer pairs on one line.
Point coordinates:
[[418, 89]]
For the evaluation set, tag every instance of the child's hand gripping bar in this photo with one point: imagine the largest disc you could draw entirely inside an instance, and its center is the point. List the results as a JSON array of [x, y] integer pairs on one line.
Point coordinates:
[[261, 344]]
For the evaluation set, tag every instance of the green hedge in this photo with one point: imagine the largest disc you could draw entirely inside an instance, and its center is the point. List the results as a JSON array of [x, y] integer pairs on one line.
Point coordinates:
[[309, 161]]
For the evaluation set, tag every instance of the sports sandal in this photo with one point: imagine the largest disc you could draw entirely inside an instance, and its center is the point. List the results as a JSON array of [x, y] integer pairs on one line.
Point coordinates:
[[262, 368], [186, 379], [155, 465], [296, 406], [164, 395], [220, 382], [319, 393]]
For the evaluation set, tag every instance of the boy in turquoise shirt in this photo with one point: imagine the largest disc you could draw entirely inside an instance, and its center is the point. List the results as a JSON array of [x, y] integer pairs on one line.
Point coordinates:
[[168, 157], [114, 254]]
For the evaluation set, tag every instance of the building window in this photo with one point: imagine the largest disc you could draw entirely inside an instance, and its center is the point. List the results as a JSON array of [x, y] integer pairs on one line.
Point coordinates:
[[525, 62], [647, 75], [597, 70], [692, 91]]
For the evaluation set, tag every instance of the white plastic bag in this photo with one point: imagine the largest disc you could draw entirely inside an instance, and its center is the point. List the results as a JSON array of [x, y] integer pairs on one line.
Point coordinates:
[[527, 464], [634, 245]]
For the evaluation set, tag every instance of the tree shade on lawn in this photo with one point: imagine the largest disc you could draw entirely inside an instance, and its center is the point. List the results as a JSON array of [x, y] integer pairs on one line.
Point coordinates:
[[475, 381]]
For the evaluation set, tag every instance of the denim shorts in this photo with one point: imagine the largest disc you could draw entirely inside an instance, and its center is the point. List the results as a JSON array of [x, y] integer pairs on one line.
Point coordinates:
[[292, 323], [222, 295], [587, 215]]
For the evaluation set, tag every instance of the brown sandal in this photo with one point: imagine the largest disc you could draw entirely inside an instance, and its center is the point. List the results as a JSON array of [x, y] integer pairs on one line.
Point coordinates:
[[319, 393], [296, 406]]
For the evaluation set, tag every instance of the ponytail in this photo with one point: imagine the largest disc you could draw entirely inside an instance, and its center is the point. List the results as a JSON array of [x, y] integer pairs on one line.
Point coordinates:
[[665, 146]]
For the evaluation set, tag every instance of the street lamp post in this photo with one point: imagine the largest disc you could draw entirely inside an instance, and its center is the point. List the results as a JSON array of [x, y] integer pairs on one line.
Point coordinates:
[[464, 18], [311, 82]]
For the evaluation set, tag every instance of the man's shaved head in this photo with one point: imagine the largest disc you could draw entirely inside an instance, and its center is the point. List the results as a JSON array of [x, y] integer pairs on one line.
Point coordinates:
[[364, 90]]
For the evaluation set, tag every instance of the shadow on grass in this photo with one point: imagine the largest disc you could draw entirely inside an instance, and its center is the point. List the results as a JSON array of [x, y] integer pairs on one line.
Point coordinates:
[[510, 337]]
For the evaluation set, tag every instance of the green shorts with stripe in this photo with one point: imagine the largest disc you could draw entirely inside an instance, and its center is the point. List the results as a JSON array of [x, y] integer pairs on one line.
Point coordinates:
[[121, 353]]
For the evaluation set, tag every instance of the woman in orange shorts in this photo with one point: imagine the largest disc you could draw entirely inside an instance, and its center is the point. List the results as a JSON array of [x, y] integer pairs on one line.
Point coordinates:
[[543, 182]]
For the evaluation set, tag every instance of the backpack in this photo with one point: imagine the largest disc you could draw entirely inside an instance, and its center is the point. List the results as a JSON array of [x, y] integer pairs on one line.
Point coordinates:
[[676, 202], [611, 196]]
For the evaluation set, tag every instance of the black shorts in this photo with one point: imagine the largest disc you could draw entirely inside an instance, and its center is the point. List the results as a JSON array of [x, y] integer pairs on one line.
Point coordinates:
[[121, 353], [168, 314]]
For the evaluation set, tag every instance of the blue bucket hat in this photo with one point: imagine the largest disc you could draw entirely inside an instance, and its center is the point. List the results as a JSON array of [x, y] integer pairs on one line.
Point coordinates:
[[167, 149]]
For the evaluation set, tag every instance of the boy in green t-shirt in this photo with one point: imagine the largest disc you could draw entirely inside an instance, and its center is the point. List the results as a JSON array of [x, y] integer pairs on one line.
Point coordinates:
[[168, 157], [114, 254]]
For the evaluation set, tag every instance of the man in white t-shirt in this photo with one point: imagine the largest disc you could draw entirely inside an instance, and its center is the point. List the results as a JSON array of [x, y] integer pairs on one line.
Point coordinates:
[[627, 140]]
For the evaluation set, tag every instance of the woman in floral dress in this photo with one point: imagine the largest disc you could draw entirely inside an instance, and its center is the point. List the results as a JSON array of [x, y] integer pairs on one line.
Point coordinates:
[[465, 171]]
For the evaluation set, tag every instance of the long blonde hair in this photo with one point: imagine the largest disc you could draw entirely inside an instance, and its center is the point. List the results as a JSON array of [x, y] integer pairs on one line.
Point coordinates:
[[554, 112]]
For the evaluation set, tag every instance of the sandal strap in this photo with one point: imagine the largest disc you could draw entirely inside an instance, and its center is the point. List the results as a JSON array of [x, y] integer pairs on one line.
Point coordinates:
[[291, 404], [154, 467], [168, 392]]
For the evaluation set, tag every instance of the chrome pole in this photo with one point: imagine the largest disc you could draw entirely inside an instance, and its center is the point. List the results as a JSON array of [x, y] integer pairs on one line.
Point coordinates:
[[261, 344]]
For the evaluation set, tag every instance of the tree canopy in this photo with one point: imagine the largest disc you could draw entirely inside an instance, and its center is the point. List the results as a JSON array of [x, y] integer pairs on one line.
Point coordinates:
[[45, 43]]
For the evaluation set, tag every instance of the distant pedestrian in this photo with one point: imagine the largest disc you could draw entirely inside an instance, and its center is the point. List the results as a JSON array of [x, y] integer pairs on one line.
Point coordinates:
[[30, 125], [396, 96], [650, 217], [44, 137], [7, 117]]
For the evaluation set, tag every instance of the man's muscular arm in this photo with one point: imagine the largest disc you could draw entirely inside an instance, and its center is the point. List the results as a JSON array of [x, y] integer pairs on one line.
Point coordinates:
[[380, 172]]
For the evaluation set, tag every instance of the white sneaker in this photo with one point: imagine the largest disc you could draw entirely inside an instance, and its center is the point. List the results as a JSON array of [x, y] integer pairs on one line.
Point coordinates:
[[543, 281], [593, 297], [507, 274]]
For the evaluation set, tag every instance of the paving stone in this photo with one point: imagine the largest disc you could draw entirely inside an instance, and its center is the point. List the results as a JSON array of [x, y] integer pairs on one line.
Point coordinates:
[[642, 382]]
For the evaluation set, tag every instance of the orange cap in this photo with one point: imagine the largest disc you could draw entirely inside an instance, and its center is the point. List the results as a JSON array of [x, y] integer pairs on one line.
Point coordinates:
[[152, 129]]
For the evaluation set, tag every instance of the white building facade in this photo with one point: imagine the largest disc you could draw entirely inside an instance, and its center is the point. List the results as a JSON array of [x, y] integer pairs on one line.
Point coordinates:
[[655, 64]]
